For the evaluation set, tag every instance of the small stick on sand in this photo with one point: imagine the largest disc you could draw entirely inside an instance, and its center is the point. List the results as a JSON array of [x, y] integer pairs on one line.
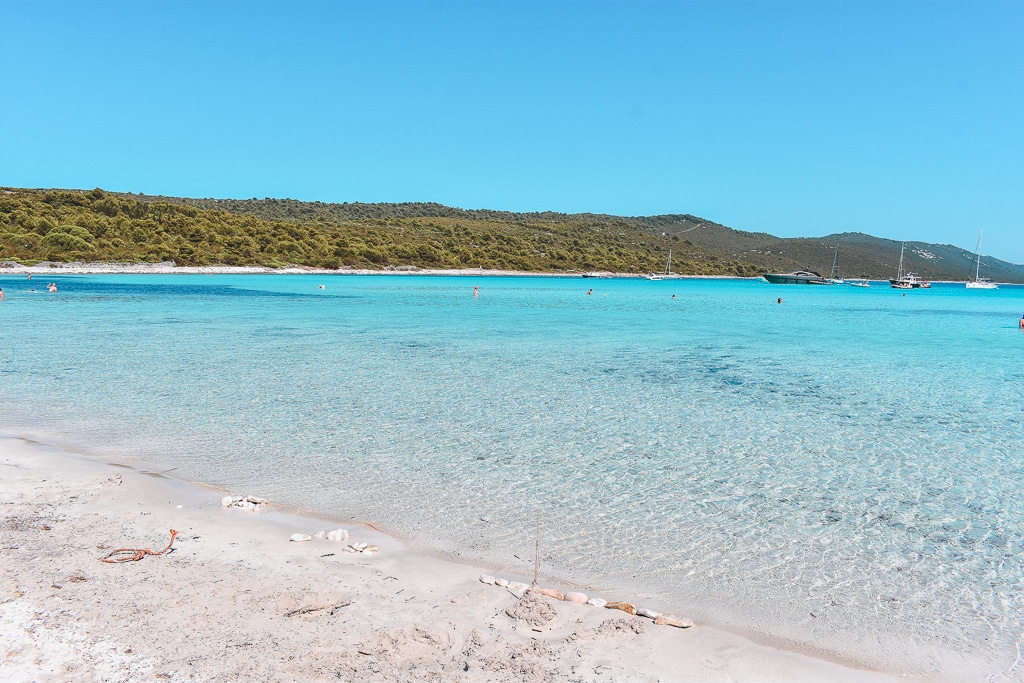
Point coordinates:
[[536, 563]]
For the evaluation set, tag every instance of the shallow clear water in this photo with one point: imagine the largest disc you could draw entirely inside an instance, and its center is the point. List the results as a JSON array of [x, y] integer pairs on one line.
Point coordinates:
[[843, 470]]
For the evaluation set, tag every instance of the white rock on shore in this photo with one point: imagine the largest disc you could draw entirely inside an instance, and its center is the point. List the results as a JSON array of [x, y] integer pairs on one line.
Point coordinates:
[[248, 503]]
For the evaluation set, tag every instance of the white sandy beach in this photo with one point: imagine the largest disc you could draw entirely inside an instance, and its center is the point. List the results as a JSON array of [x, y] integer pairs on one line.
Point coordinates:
[[170, 268], [236, 600]]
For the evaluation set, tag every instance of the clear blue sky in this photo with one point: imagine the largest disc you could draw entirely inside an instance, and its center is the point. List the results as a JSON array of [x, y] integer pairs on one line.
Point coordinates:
[[900, 119]]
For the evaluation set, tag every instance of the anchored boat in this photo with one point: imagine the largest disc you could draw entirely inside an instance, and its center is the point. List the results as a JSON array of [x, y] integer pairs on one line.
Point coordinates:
[[907, 280], [797, 277], [834, 278], [980, 282]]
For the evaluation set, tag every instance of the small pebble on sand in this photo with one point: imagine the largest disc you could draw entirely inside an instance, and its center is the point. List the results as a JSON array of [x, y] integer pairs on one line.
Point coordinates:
[[626, 607], [552, 593], [678, 622]]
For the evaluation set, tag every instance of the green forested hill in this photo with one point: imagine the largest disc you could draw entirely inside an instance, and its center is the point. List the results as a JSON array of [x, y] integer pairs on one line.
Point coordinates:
[[77, 225], [69, 225]]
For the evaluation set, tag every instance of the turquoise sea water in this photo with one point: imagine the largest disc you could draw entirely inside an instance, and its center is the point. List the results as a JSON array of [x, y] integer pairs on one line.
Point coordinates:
[[843, 471]]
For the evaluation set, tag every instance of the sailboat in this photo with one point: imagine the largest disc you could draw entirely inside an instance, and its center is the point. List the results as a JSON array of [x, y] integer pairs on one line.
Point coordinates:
[[980, 282], [907, 280], [668, 271], [832, 279]]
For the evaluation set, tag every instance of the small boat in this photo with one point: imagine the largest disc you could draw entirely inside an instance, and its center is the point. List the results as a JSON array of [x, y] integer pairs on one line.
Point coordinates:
[[668, 274], [980, 282], [907, 280], [797, 277], [910, 281], [858, 283]]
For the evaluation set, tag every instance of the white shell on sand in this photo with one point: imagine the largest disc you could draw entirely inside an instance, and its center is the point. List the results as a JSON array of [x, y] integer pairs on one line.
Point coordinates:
[[337, 535], [489, 580], [649, 613], [597, 602], [298, 538], [573, 596], [226, 501], [501, 582], [320, 534]]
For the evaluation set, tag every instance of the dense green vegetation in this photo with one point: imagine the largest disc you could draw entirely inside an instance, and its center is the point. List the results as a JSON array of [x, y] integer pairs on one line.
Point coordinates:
[[69, 225], [76, 225]]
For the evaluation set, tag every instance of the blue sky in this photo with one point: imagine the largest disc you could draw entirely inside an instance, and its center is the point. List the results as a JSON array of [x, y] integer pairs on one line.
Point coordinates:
[[901, 119]]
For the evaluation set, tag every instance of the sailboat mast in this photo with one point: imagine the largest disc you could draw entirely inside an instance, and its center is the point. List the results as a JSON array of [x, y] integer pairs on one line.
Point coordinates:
[[977, 264], [668, 264], [899, 272], [835, 260]]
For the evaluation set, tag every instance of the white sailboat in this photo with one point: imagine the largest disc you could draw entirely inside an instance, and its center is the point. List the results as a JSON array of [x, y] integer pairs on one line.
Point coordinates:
[[832, 279], [668, 271], [980, 282], [669, 275]]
